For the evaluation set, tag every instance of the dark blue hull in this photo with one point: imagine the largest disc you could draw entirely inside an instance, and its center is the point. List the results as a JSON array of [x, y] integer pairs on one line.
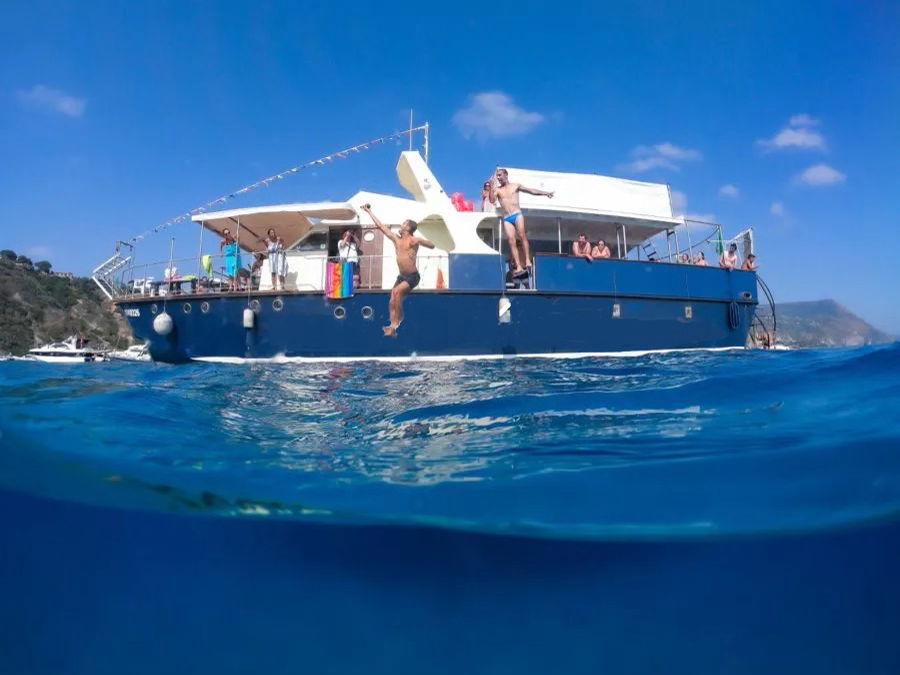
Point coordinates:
[[435, 324]]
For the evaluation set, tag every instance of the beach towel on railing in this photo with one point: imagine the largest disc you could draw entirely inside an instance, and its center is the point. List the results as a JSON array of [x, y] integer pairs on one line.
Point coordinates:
[[338, 280]]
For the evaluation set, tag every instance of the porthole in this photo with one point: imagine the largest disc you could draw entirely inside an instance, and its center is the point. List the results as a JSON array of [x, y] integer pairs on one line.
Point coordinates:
[[369, 236], [254, 305], [153, 308], [278, 304], [367, 312], [204, 307], [339, 312], [186, 308], [746, 295]]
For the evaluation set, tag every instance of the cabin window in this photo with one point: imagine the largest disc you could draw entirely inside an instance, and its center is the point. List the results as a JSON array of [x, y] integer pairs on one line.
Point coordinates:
[[314, 241]]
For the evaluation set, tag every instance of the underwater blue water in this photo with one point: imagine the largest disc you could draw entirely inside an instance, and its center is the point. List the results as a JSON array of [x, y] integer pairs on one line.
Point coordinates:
[[681, 513]]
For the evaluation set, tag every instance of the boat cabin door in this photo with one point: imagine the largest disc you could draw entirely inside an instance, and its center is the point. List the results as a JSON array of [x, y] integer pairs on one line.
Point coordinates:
[[371, 257]]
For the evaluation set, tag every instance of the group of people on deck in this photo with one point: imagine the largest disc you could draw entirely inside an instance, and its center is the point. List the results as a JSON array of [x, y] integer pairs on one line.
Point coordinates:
[[238, 277], [582, 248], [496, 191]]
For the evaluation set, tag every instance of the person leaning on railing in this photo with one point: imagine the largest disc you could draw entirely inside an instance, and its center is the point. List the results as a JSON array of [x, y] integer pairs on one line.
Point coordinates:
[[228, 247], [348, 251], [277, 259]]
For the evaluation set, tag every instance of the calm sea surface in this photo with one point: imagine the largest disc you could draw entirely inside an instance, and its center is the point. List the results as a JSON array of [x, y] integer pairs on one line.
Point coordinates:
[[728, 513]]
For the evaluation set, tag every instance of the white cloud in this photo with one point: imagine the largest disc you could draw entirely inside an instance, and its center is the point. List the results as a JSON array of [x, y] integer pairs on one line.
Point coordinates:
[[820, 174], [494, 114], [669, 150], [660, 156], [802, 120], [804, 139], [647, 163], [777, 209], [679, 201], [729, 190], [679, 208], [42, 96], [39, 252], [797, 134]]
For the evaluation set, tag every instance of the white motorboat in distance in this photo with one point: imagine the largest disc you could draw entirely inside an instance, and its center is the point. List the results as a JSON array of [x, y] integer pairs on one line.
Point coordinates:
[[68, 351], [133, 353]]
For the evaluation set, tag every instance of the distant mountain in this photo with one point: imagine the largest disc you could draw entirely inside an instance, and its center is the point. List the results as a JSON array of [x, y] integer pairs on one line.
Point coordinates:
[[821, 323], [37, 307]]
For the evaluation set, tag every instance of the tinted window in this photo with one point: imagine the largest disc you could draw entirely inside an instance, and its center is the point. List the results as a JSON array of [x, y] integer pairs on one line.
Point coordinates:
[[314, 241]]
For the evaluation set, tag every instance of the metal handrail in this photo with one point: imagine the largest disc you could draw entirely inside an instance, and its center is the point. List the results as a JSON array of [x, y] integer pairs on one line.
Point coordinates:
[[156, 279]]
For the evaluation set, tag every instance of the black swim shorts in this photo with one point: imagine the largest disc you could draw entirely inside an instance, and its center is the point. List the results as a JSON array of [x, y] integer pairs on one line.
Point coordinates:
[[412, 279]]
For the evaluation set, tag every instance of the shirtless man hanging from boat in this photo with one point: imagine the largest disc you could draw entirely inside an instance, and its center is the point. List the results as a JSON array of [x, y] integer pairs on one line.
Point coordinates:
[[513, 220], [407, 247]]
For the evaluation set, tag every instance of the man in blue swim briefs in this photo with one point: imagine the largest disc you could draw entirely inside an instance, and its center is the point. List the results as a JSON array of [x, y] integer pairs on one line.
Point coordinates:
[[513, 220]]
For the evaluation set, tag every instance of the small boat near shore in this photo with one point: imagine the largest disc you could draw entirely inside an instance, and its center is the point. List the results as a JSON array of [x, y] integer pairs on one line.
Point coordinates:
[[68, 351], [134, 353]]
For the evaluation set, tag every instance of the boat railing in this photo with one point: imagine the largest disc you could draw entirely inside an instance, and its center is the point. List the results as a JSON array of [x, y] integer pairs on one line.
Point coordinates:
[[208, 274]]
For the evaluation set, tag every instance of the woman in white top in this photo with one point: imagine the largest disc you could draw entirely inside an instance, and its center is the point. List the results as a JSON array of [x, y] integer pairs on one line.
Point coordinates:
[[277, 259]]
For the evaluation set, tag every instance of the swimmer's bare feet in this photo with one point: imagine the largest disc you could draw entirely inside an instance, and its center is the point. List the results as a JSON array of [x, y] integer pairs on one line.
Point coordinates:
[[389, 331]]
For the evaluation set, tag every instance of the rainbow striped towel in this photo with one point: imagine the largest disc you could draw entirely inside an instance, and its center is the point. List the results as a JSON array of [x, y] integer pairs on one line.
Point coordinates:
[[338, 280]]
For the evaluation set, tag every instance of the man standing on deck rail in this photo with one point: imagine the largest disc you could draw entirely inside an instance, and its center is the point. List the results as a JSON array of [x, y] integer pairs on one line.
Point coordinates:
[[407, 247], [513, 220]]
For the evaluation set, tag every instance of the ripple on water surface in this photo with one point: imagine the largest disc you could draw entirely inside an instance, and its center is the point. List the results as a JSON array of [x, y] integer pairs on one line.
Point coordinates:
[[659, 446]]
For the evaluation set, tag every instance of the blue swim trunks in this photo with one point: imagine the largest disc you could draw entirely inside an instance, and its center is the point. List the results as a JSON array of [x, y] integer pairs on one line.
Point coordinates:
[[511, 218]]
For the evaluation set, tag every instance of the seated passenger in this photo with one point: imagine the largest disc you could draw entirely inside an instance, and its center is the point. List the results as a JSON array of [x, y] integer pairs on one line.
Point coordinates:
[[684, 259], [256, 270], [582, 248], [729, 259], [749, 264], [601, 250], [701, 260]]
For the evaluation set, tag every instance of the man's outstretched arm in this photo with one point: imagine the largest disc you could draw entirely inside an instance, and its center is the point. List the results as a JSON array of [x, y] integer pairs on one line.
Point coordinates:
[[424, 242], [535, 191], [381, 226]]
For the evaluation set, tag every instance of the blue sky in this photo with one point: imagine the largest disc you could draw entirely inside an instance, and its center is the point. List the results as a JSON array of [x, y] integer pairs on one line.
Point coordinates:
[[781, 116]]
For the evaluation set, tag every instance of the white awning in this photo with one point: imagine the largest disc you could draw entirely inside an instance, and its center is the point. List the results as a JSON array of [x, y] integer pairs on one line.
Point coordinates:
[[290, 221]]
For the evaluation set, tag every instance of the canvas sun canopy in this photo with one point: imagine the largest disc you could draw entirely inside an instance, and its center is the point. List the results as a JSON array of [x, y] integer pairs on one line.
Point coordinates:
[[291, 221]]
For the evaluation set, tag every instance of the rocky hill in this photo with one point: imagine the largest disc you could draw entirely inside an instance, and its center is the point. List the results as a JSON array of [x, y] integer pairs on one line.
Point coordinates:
[[37, 307], [821, 323]]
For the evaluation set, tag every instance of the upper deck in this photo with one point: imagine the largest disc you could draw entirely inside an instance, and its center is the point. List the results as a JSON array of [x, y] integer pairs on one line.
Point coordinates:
[[629, 215]]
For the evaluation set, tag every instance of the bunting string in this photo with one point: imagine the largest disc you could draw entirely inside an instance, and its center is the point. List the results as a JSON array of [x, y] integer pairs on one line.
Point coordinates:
[[341, 154]]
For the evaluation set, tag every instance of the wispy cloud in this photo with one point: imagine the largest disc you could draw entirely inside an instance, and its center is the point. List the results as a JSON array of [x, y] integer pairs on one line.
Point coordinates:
[[660, 156], [798, 134], [777, 209], [729, 190], [819, 175], [494, 114], [680, 208], [55, 100], [39, 252], [802, 120]]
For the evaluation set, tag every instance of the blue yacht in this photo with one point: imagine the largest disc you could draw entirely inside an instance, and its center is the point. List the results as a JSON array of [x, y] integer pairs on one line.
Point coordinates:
[[649, 295]]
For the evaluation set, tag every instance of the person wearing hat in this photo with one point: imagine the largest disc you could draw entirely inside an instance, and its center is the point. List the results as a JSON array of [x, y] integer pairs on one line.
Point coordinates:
[[749, 264], [729, 259]]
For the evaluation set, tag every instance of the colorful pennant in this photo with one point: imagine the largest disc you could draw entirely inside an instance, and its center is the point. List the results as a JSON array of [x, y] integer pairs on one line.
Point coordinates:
[[342, 154]]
